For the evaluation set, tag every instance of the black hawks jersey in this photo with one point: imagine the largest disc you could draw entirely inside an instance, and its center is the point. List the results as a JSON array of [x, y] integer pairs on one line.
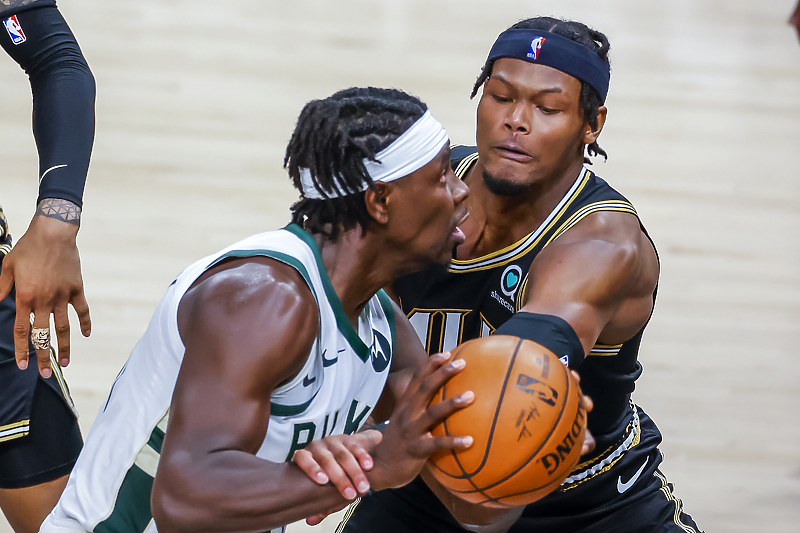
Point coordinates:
[[472, 298]]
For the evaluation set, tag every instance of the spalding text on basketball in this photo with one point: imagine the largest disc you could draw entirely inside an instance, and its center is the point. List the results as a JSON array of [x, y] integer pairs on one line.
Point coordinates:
[[551, 460]]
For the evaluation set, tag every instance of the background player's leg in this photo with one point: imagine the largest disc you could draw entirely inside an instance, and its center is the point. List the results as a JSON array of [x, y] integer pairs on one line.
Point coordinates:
[[34, 468], [26, 508]]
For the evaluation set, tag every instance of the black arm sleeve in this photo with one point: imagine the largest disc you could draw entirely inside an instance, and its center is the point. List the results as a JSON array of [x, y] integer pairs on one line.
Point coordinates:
[[552, 332], [63, 97]]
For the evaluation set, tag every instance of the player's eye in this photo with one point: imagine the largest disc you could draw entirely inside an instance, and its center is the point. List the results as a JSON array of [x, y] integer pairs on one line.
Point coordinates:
[[501, 99], [547, 110]]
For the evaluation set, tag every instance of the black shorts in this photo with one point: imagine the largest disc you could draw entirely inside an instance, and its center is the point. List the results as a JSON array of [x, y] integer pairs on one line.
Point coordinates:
[[631, 496], [39, 434]]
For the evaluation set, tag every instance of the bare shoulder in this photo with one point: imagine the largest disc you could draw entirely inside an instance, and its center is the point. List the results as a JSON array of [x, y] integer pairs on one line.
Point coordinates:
[[256, 311]]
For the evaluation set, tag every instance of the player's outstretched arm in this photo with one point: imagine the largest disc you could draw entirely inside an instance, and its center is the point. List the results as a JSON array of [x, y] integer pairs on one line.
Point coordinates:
[[44, 265], [247, 327], [599, 277]]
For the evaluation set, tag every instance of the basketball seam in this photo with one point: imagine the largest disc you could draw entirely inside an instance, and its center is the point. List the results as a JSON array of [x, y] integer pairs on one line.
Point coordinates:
[[468, 477]]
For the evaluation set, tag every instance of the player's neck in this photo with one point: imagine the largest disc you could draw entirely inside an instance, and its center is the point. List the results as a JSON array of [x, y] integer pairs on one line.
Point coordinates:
[[498, 221], [354, 270]]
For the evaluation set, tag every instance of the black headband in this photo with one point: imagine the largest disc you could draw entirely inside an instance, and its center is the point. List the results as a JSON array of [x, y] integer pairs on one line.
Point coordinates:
[[560, 53]]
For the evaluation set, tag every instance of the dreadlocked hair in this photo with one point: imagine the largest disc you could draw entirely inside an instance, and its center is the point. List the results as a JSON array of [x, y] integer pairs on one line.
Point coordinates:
[[333, 137], [594, 40]]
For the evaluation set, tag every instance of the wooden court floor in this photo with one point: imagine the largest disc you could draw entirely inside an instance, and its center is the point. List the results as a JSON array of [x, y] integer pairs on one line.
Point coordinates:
[[197, 99]]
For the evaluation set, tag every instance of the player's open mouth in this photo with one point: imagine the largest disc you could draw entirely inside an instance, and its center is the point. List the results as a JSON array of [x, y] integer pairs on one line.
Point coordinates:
[[457, 235]]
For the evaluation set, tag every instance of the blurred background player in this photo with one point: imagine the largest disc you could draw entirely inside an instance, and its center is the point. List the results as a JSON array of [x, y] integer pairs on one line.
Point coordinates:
[[284, 338], [552, 254], [39, 435]]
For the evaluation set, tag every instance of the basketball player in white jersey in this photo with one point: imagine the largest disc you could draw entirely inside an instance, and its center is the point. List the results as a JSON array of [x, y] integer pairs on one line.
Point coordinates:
[[284, 338]]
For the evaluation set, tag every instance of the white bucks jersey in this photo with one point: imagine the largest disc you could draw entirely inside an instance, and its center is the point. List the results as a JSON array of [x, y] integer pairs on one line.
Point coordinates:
[[334, 393]]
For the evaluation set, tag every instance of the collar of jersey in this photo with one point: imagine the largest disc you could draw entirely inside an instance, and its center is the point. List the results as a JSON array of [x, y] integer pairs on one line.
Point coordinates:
[[511, 252], [342, 322]]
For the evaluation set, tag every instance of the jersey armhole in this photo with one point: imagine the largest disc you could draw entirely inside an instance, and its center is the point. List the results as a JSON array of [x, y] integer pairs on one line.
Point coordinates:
[[388, 310], [272, 254]]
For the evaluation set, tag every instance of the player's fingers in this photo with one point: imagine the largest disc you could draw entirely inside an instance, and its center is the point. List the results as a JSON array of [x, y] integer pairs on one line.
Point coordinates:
[[6, 282], [437, 412], [430, 444], [588, 443], [61, 321], [40, 338], [329, 458], [587, 402], [424, 371], [305, 460], [354, 474], [81, 307], [432, 383], [363, 457], [22, 328], [371, 438]]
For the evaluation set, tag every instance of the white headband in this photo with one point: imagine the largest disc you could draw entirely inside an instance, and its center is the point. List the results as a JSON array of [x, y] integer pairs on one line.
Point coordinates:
[[414, 149]]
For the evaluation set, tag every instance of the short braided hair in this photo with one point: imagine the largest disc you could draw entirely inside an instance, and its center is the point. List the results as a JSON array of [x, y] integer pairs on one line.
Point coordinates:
[[594, 40], [332, 137]]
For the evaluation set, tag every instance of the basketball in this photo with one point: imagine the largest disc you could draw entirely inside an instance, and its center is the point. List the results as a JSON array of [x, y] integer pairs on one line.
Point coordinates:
[[527, 423]]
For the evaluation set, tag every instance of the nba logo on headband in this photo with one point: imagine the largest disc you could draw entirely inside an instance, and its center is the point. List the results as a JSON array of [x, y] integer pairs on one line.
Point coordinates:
[[536, 45]]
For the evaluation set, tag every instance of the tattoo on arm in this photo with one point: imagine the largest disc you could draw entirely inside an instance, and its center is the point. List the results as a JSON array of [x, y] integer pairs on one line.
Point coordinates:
[[59, 209]]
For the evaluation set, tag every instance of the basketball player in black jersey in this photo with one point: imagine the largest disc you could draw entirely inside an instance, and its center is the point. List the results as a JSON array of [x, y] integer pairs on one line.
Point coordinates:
[[553, 254], [41, 275]]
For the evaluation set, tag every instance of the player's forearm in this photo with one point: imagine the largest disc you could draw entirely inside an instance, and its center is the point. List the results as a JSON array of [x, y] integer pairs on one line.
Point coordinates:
[[235, 491], [63, 100]]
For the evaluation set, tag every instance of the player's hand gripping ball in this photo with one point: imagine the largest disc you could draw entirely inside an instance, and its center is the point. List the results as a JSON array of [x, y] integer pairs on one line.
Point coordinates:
[[527, 421]]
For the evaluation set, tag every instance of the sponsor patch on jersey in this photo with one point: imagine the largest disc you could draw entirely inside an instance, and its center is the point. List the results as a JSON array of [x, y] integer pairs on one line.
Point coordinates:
[[14, 30], [564, 359], [536, 46], [380, 351], [510, 280]]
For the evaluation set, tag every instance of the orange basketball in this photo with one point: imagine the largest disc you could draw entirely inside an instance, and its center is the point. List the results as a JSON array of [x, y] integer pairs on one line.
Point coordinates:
[[527, 422]]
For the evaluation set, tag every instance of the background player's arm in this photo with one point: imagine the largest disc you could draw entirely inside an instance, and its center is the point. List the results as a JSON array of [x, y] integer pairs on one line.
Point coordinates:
[[248, 326], [599, 277], [408, 357], [44, 266]]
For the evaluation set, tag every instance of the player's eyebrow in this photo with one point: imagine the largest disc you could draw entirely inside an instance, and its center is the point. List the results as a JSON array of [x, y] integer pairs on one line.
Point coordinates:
[[501, 79]]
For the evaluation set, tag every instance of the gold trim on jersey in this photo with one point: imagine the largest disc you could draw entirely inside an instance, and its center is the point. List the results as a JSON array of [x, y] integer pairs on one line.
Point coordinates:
[[676, 516], [603, 462], [62, 383], [519, 301], [465, 164], [605, 205], [605, 350], [346, 518], [5, 248], [15, 430], [530, 241]]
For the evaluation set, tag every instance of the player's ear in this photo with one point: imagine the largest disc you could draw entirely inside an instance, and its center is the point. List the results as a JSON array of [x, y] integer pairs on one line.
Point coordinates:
[[590, 135], [375, 198]]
